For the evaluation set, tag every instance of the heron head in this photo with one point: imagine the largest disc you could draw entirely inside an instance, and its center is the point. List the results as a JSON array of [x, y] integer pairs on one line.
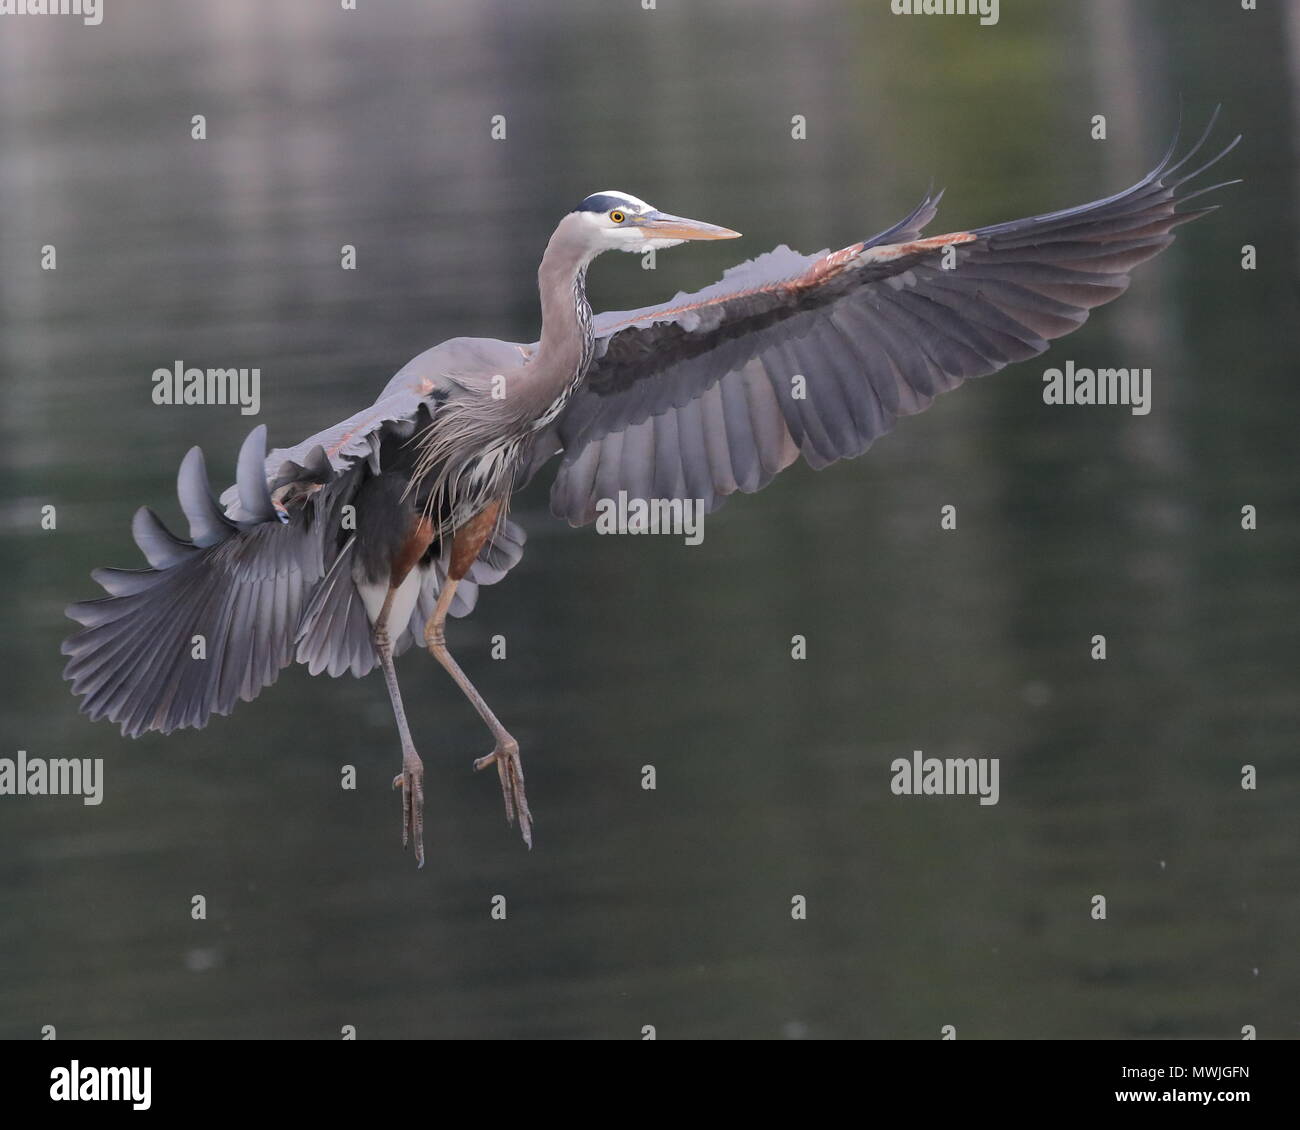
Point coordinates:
[[616, 221]]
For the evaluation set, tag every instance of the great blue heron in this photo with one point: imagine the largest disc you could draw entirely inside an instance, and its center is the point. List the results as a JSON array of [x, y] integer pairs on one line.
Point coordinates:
[[340, 552]]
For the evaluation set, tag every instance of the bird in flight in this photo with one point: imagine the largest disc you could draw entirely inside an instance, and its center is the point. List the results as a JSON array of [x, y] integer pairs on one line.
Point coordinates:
[[345, 550]]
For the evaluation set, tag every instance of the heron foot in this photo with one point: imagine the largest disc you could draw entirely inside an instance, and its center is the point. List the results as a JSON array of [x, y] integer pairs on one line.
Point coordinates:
[[411, 781], [510, 770]]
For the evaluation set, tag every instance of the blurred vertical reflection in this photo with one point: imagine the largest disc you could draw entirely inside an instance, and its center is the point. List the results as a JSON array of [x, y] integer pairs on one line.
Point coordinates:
[[669, 907]]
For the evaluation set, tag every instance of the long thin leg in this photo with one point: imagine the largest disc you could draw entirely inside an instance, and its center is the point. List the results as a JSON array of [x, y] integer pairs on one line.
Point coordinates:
[[506, 754], [411, 779]]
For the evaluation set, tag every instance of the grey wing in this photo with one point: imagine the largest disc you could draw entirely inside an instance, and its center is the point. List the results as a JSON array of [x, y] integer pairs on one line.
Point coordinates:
[[264, 578], [211, 621], [695, 398]]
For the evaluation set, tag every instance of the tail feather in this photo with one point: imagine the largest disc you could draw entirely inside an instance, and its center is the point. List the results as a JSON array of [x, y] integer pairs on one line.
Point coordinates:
[[333, 633]]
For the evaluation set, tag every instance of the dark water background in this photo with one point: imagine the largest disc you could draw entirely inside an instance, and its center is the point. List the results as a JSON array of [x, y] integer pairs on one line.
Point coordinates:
[[671, 907]]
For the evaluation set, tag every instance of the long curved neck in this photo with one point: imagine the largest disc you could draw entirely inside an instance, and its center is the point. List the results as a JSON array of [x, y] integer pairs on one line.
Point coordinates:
[[564, 351]]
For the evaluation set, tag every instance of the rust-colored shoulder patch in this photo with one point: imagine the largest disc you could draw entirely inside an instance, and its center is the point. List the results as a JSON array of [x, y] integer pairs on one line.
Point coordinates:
[[892, 251], [821, 271]]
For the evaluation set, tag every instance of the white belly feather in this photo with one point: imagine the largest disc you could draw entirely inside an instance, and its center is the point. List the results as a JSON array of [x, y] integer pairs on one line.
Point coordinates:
[[404, 599]]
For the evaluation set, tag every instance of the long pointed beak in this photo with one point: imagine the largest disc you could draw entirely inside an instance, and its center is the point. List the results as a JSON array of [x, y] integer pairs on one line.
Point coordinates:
[[661, 225]]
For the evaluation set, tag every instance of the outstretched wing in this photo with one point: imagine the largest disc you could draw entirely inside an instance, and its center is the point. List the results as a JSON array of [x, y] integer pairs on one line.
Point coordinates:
[[260, 583], [212, 620], [695, 399]]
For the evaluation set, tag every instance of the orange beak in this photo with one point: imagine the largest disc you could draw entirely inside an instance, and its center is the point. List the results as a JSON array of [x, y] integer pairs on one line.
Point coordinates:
[[660, 225]]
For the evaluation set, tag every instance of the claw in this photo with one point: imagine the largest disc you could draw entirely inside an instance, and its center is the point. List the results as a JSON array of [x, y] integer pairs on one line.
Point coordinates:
[[411, 781], [510, 772]]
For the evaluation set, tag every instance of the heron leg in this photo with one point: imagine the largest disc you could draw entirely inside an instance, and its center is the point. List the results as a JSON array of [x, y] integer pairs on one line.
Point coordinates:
[[411, 779], [466, 544]]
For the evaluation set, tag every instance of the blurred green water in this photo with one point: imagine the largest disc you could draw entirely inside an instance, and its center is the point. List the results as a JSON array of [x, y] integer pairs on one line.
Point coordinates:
[[669, 907]]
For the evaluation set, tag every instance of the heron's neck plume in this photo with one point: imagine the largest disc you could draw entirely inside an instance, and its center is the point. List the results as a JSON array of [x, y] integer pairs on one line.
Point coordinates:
[[566, 343]]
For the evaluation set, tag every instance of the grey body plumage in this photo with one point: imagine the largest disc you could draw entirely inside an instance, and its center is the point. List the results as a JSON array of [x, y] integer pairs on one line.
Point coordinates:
[[687, 399]]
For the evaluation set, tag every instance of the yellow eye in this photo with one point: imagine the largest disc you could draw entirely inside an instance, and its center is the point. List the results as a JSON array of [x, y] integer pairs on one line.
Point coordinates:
[[617, 217]]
